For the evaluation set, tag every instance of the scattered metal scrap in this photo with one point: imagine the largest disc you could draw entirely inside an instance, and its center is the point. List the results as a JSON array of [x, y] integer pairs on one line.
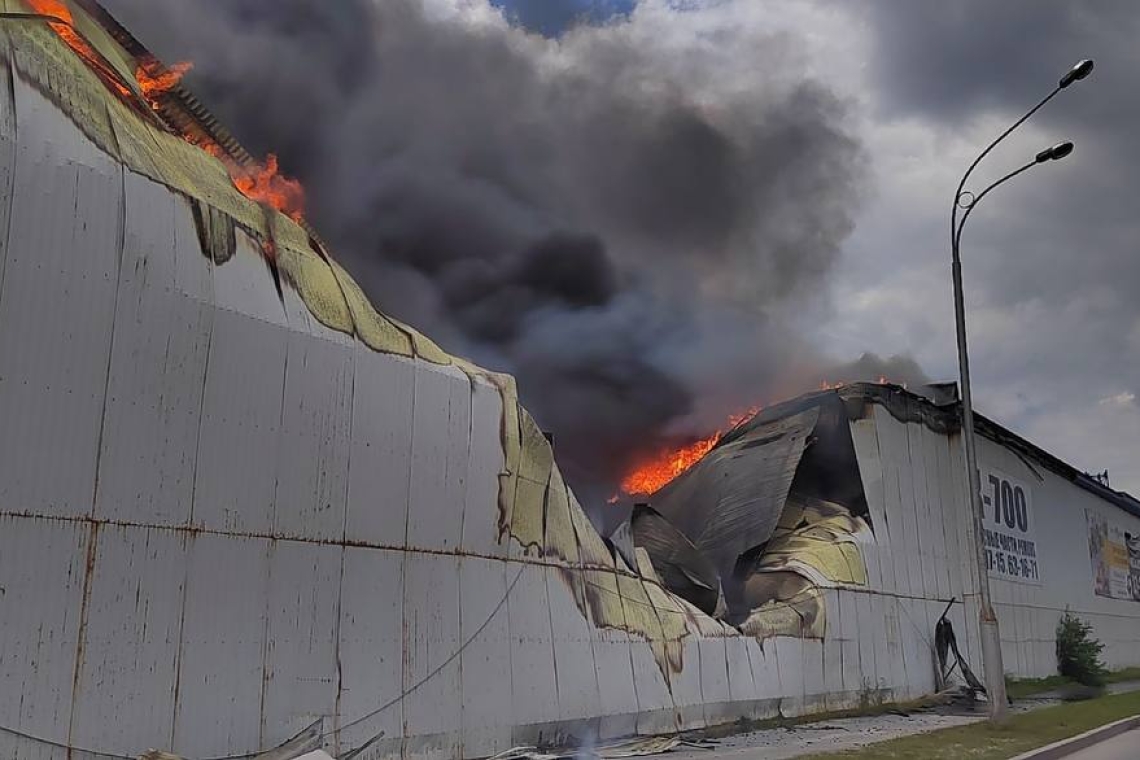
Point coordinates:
[[945, 642]]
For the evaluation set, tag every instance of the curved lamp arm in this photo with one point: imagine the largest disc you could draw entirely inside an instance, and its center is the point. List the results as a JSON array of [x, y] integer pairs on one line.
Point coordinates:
[[1056, 153], [1081, 70]]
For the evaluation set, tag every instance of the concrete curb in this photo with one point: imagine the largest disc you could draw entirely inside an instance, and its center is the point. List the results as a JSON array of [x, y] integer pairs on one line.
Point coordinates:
[[1076, 743]]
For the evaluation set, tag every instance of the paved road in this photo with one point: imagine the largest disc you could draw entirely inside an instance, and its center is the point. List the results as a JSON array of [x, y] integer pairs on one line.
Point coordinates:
[[1123, 747], [826, 736]]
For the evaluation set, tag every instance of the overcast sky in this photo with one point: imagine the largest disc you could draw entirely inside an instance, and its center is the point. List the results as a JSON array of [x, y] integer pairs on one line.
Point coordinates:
[[1052, 261]]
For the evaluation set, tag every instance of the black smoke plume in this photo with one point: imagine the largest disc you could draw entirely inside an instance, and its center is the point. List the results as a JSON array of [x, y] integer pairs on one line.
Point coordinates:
[[621, 217]]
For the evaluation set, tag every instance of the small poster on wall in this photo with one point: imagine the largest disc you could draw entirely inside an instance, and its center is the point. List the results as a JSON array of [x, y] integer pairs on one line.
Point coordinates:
[[1115, 556]]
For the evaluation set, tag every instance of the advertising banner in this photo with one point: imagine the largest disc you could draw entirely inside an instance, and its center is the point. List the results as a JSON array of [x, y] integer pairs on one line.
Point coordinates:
[[1115, 556], [1008, 529]]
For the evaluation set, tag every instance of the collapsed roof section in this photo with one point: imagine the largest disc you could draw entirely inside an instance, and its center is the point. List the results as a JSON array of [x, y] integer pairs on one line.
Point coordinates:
[[774, 512]]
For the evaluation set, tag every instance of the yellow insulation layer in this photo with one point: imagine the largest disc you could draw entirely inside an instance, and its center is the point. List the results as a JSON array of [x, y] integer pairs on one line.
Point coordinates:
[[561, 541], [801, 616], [372, 327], [311, 275]]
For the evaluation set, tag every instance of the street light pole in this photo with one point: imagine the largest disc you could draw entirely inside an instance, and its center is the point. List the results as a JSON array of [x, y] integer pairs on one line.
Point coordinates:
[[994, 672]]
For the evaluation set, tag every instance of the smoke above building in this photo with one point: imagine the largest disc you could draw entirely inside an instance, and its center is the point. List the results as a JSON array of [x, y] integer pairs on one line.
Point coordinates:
[[623, 217]]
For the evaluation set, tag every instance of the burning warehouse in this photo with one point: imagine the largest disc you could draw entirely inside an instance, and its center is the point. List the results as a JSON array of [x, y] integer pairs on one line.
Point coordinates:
[[242, 511]]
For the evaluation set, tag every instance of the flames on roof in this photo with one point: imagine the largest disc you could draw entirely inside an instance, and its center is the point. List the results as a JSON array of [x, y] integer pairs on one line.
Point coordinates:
[[156, 89]]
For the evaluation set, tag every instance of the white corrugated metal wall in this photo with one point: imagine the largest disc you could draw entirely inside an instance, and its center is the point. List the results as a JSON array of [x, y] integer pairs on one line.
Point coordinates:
[[221, 520], [914, 480]]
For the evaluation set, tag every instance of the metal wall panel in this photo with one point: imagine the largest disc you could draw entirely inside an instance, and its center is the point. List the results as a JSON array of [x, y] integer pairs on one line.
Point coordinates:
[[880, 563], [532, 649], [221, 651], [458, 437], [714, 671], [313, 456], [765, 668], [855, 676], [42, 570], [57, 307], [891, 441], [372, 644], [923, 550], [896, 650], [788, 653], [657, 704], [439, 461], [574, 666], [431, 649], [7, 161], [815, 686], [486, 659], [485, 462], [865, 631], [684, 687], [931, 445], [245, 284], [130, 644], [614, 668], [741, 687], [157, 372], [299, 678], [49, 136], [241, 424], [379, 479], [948, 509]]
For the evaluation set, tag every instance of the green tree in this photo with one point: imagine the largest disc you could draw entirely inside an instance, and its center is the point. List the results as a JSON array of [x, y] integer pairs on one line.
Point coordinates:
[[1078, 653]]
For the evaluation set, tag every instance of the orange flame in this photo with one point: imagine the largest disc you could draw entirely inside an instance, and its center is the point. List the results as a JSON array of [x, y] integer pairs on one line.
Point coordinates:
[[666, 465], [263, 183], [266, 184], [65, 28], [154, 80]]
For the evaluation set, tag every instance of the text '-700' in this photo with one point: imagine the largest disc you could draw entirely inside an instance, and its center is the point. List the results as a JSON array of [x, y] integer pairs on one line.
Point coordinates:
[[1008, 502]]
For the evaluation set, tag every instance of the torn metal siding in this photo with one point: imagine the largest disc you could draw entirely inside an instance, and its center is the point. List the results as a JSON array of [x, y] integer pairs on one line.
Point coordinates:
[[751, 473]]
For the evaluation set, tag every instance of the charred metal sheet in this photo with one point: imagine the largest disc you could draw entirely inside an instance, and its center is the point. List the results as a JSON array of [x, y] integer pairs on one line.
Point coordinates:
[[683, 568], [730, 501]]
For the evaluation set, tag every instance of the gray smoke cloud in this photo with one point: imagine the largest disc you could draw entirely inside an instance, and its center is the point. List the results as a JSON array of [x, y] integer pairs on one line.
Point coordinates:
[[621, 217]]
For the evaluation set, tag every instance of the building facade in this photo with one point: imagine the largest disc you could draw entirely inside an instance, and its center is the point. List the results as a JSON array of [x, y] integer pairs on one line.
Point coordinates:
[[239, 504]]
